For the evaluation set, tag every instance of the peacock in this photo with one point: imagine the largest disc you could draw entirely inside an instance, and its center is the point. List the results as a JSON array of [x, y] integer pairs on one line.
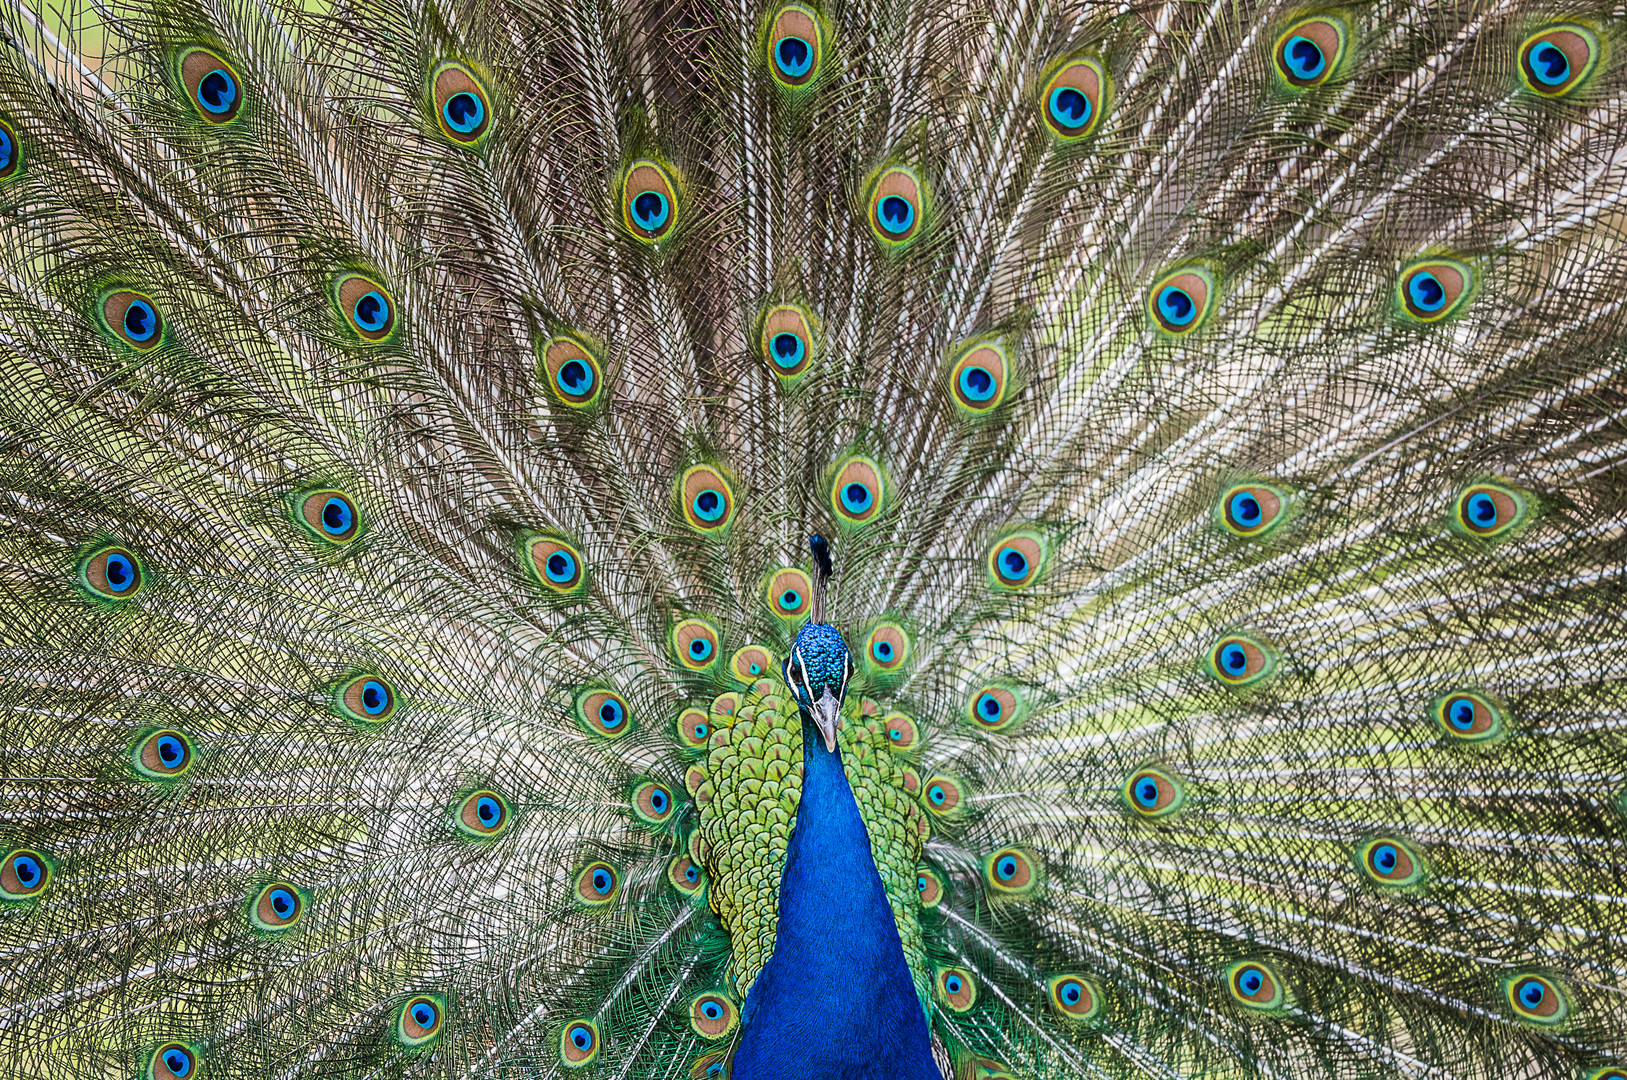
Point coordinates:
[[715, 540]]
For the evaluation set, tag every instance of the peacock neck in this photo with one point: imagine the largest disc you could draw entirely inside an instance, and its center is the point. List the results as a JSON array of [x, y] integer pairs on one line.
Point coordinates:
[[836, 999]]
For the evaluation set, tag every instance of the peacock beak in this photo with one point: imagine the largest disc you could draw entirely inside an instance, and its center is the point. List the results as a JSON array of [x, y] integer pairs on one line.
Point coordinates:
[[826, 713]]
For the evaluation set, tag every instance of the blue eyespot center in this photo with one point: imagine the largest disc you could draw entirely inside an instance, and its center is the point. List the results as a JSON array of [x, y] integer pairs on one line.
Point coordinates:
[[337, 516], [1550, 64], [988, 706], [1426, 291], [140, 320], [882, 651], [463, 112], [1069, 107], [920, 883], [119, 571], [701, 730], [787, 349], [1070, 993], [700, 649], [372, 312], [1250, 981], [283, 902], [953, 984], [217, 91], [658, 801], [488, 810], [1531, 993], [177, 1061], [1146, 792], [560, 567], [1245, 510], [611, 714], [790, 600], [1385, 858], [856, 498], [170, 750], [1006, 868], [1482, 509], [1012, 563], [602, 881], [8, 150], [575, 377], [793, 56], [895, 214], [708, 505], [977, 384], [423, 1014], [692, 874], [1303, 58], [1233, 659], [27, 869], [1176, 305], [650, 210], [937, 794], [375, 697], [711, 1010], [581, 1037], [1460, 713]]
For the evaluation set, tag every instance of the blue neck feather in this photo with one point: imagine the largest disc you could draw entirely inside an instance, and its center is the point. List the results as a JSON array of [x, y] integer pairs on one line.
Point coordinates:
[[836, 999]]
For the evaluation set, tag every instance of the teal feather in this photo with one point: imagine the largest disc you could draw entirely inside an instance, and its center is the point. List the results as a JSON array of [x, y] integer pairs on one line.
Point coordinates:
[[415, 415]]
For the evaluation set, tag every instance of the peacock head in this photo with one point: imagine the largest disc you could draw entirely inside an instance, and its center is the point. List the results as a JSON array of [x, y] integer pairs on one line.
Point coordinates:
[[820, 665], [817, 672]]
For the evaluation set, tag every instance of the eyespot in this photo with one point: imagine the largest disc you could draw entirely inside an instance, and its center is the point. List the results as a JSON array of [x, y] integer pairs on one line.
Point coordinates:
[[957, 992], [695, 644], [419, 1021], [483, 814], [694, 728], [578, 1043], [790, 594], [462, 106], [649, 205], [1489, 510], [367, 699], [896, 206], [173, 1061], [111, 573], [1015, 562], [328, 515], [1251, 509], [712, 1015], [857, 493], [787, 341], [653, 803], [554, 564], [707, 500], [1556, 60], [977, 379], [277, 907], [1011, 872], [1430, 291], [752, 663], [211, 85], [685, 875], [1074, 998], [1180, 302], [993, 708], [1153, 793], [1609, 1072], [713, 1066], [902, 734], [1390, 862], [24, 873], [726, 703], [886, 649], [990, 1069], [931, 886], [942, 796], [795, 46], [1468, 717], [1237, 660], [1256, 985], [133, 319], [1071, 99], [1309, 51], [11, 152], [597, 884], [366, 307], [571, 371], [162, 755], [1536, 999], [603, 712]]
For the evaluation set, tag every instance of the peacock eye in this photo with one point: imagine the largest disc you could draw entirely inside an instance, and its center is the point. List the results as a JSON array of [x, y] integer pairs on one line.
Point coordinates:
[[1390, 862], [1153, 793], [751, 663], [483, 814], [172, 1061], [367, 699], [694, 643], [956, 990], [1309, 51], [420, 1021], [597, 884], [578, 1043], [684, 875], [603, 713], [787, 341], [111, 573], [1468, 718], [942, 795], [1180, 302], [1558, 59], [886, 648], [11, 152], [649, 201], [24, 873], [1430, 291], [1489, 510], [895, 206], [1537, 999], [1072, 98], [901, 732], [856, 491], [1238, 660], [462, 106], [366, 307], [1256, 986], [1251, 509], [277, 907], [652, 803], [162, 755], [211, 85], [572, 371], [994, 708], [930, 885], [707, 502], [1073, 998], [711, 1015], [1016, 561], [1011, 872], [554, 564], [329, 516], [978, 379], [132, 318], [795, 46]]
